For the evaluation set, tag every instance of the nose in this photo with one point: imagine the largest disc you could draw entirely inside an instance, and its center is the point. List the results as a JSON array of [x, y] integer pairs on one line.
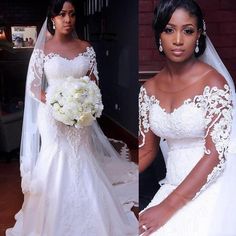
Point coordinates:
[[178, 39], [68, 18]]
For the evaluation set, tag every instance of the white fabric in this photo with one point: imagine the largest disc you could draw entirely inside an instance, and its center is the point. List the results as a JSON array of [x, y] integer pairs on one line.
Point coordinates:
[[76, 183], [184, 130]]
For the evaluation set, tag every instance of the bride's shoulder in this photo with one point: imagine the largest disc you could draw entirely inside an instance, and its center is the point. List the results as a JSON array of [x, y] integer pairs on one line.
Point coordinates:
[[152, 84], [83, 45], [212, 78]]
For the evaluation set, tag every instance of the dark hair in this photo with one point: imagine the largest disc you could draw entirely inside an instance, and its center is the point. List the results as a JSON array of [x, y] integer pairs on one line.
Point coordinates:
[[54, 9], [164, 11]]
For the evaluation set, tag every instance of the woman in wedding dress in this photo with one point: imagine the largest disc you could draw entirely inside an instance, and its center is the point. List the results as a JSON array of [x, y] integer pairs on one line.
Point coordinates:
[[190, 104], [74, 182]]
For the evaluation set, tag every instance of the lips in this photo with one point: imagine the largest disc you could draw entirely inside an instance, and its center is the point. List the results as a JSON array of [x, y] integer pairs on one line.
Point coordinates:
[[67, 26], [177, 51]]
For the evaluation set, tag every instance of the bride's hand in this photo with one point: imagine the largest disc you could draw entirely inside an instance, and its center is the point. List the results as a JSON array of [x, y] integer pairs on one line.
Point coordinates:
[[154, 217]]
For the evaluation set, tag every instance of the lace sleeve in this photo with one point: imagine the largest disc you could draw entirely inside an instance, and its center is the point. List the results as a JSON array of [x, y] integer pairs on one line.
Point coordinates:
[[93, 63], [35, 77], [218, 121], [144, 105]]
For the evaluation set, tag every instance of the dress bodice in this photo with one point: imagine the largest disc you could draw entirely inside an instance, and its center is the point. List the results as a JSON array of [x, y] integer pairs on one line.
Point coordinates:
[[198, 127], [57, 68], [185, 126]]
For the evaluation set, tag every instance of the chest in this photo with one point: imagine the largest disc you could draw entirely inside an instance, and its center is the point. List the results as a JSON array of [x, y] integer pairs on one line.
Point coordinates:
[[188, 120], [57, 67]]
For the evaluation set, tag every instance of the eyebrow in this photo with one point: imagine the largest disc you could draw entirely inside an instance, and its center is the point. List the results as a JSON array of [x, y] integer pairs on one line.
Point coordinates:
[[183, 25], [67, 10]]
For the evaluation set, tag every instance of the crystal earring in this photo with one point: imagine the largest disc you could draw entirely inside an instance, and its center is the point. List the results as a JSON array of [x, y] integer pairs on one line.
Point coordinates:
[[197, 47], [53, 25], [160, 46]]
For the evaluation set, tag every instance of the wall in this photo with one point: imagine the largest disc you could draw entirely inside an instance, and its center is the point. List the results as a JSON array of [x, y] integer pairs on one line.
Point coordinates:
[[117, 57], [220, 16]]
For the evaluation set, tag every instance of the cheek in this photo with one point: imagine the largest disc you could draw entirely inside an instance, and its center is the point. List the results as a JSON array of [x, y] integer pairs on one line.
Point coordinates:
[[73, 20], [191, 44], [166, 43]]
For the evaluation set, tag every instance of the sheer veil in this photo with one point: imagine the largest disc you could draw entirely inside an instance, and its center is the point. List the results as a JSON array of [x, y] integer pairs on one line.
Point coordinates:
[[124, 171], [30, 140], [224, 220]]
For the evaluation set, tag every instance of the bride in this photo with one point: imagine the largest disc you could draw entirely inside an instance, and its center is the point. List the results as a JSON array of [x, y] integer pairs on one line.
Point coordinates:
[[74, 182], [190, 104]]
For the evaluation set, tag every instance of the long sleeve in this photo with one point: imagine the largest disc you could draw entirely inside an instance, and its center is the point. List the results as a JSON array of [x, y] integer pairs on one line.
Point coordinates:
[[148, 141], [218, 123], [93, 63], [36, 81]]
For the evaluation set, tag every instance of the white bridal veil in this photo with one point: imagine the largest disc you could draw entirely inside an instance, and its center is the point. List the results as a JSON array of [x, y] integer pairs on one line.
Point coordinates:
[[124, 171]]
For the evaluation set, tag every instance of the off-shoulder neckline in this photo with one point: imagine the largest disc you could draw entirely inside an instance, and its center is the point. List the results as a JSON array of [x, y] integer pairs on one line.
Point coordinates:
[[53, 54], [207, 89]]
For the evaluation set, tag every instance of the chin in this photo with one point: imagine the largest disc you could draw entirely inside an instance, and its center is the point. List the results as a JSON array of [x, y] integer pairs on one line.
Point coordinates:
[[181, 59]]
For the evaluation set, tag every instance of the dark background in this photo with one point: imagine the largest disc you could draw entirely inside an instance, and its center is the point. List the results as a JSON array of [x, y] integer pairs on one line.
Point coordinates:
[[114, 35], [220, 17]]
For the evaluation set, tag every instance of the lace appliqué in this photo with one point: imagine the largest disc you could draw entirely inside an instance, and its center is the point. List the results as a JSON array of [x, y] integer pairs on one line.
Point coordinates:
[[35, 73], [93, 62], [144, 107], [89, 53], [218, 122]]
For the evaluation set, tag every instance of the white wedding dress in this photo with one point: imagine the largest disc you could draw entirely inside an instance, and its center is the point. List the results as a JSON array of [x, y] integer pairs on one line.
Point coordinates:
[[74, 189], [184, 130]]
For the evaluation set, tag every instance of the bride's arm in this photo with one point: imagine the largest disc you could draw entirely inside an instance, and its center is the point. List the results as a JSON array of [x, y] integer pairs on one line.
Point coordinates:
[[93, 71], [36, 80], [148, 141], [217, 102]]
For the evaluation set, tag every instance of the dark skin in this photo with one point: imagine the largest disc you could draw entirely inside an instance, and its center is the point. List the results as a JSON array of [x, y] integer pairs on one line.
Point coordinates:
[[183, 77], [62, 42]]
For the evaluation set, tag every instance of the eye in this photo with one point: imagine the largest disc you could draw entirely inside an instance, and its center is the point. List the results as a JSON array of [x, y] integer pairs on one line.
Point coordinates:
[[189, 31], [62, 14], [168, 30]]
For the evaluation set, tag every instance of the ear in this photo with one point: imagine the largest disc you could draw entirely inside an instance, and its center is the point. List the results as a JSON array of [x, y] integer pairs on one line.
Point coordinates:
[[199, 32]]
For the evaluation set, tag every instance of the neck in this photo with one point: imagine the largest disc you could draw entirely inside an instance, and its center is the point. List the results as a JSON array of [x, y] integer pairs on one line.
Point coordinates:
[[177, 70], [63, 38]]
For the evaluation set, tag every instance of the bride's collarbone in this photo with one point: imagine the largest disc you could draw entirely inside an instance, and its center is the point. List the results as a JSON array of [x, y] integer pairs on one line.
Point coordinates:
[[170, 98]]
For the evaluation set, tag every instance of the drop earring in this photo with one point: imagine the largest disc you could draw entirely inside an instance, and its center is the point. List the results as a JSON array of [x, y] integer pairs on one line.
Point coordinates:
[[197, 47], [160, 46]]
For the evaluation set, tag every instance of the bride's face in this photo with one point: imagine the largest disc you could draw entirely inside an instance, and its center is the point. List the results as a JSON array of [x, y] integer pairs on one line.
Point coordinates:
[[65, 20], [180, 36]]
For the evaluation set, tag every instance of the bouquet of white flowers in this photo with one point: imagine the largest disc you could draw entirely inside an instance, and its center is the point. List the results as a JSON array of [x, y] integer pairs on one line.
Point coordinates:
[[76, 101]]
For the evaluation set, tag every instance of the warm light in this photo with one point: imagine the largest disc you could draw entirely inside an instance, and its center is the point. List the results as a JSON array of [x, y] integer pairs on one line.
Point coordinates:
[[2, 34]]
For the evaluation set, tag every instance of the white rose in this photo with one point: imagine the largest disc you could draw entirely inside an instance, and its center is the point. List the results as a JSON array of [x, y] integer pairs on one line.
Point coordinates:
[[85, 120]]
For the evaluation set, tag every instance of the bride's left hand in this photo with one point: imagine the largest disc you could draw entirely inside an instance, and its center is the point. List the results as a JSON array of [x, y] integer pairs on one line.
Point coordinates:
[[153, 218]]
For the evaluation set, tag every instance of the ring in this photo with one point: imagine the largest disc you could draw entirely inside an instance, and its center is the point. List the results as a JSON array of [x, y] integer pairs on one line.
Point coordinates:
[[144, 227]]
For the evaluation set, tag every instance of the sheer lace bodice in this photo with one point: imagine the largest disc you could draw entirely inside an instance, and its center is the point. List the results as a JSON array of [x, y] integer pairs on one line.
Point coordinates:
[[187, 128], [57, 67]]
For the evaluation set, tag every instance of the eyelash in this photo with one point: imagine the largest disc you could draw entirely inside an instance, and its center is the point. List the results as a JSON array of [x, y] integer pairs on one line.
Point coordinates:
[[189, 31], [168, 30]]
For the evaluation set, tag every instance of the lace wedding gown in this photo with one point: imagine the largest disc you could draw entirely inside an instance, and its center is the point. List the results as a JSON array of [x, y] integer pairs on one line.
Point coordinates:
[[185, 130], [75, 191]]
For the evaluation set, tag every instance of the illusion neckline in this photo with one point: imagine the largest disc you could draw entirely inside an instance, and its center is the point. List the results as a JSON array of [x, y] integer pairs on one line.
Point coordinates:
[[184, 102], [54, 54]]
